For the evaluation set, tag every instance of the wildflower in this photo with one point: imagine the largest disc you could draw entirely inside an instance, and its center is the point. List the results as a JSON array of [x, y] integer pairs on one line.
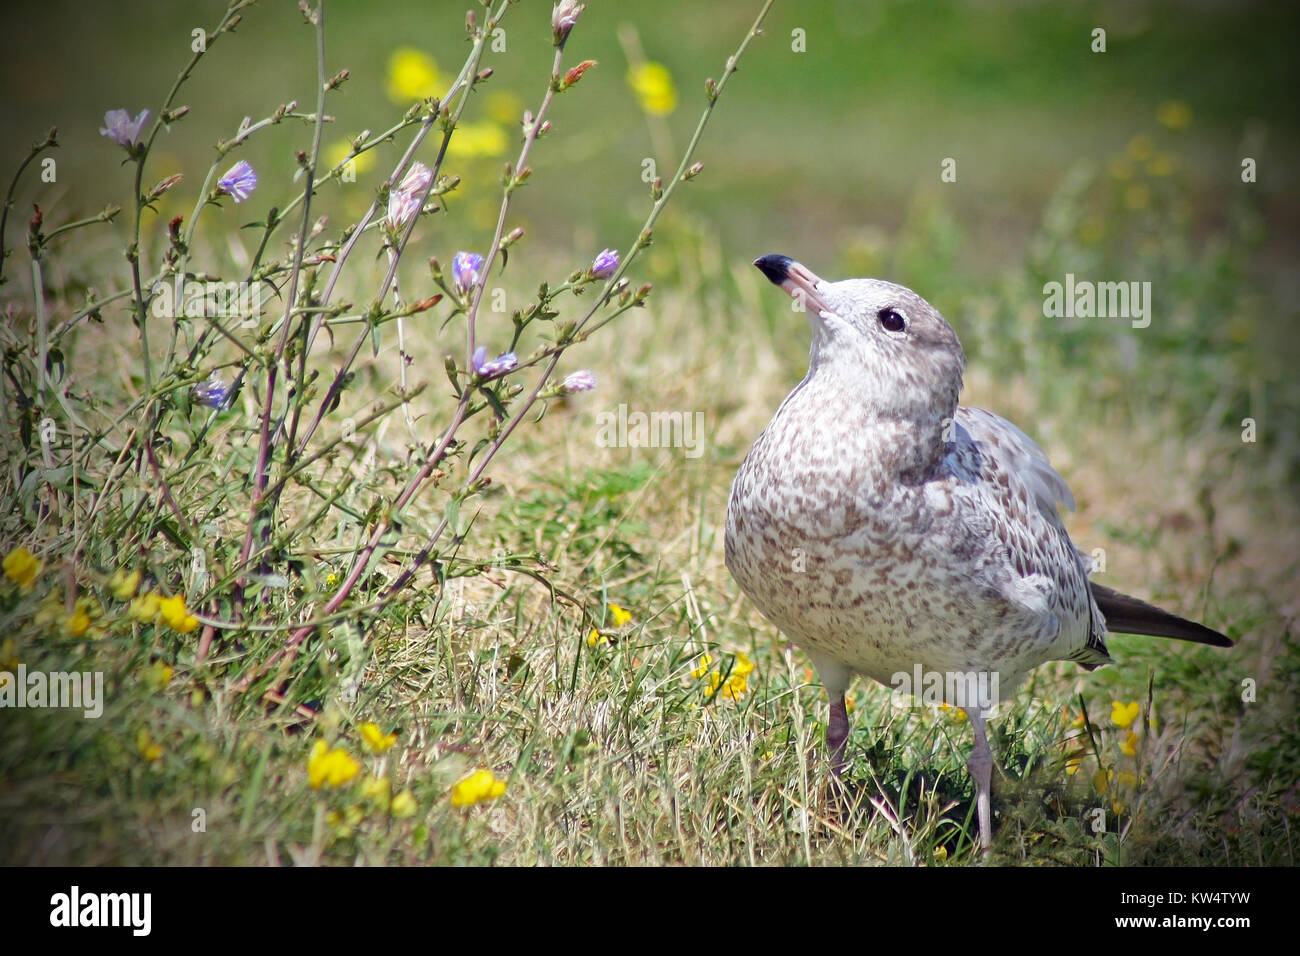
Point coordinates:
[[376, 790], [850, 704], [479, 786], [702, 668], [500, 365], [464, 270], [940, 853], [239, 182], [1126, 778], [1101, 781], [158, 675], [563, 16], [619, 615], [76, 623], [214, 393], [1162, 164], [605, 264], [1124, 714], [654, 89], [21, 567], [477, 139], [121, 129], [1128, 746], [404, 804], [145, 744], [1078, 722], [175, 615], [341, 150], [580, 381], [376, 740], [122, 584], [1072, 765], [1174, 114], [407, 200], [145, 607], [412, 75], [595, 638], [330, 767]]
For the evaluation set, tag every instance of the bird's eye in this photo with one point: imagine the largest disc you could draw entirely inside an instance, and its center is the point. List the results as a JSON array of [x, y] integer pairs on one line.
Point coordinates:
[[891, 320]]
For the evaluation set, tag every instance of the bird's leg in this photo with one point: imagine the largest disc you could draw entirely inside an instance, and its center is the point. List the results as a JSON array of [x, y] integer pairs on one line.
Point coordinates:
[[837, 735], [981, 769]]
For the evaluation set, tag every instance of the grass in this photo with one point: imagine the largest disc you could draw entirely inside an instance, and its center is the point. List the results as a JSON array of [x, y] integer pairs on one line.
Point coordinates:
[[612, 747]]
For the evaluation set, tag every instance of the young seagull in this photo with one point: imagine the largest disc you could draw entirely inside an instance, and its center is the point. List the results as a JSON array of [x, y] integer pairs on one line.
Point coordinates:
[[889, 531]]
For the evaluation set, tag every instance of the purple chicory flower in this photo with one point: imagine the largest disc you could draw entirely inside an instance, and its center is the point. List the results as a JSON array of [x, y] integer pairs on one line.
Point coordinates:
[[503, 363], [563, 16], [605, 265], [579, 381], [121, 129], [213, 393], [464, 269], [407, 199], [239, 182]]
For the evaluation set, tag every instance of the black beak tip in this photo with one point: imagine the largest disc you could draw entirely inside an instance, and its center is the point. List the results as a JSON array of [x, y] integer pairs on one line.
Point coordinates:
[[776, 268]]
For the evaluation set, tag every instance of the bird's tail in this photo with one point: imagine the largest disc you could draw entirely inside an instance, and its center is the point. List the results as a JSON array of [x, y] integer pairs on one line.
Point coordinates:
[[1128, 615]]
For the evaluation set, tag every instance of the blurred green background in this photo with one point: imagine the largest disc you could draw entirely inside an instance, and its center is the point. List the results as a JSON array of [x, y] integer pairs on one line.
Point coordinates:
[[814, 153]]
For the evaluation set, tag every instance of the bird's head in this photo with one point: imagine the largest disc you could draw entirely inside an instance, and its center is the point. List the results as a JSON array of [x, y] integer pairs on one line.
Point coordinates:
[[894, 348]]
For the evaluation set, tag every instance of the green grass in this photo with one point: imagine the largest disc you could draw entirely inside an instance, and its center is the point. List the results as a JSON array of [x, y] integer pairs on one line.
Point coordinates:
[[613, 751]]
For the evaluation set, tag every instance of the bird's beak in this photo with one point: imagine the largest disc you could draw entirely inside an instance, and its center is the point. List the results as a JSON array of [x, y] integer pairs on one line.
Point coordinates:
[[796, 278]]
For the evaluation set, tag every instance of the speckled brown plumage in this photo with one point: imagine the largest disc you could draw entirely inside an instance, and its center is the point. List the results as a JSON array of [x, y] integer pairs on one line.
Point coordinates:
[[882, 526]]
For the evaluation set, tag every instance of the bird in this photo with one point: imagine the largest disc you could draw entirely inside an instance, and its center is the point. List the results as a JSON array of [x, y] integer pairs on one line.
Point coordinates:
[[889, 531]]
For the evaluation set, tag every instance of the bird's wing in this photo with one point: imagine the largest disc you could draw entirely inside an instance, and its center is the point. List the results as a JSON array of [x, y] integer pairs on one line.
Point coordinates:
[[1049, 552], [1017, 454]]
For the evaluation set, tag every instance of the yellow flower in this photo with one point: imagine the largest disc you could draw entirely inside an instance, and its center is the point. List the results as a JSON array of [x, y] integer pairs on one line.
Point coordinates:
[[122, 584], [1162, 164], [412, 75], [21, 567], [654, 89], [479, 786], [1072, 765], [345, 823], [850, 704], [158, 675], [595, 638], [1126, 778], [174, 615], [331, 767], [376, 740], [9, 659], [619, 615], [1141, 148], [1121, 168], [957, 715], [477, 139], [1137, 196], [1078, 722], [705, 663], [404, 805], [145, 607], [1174, 114], [743, 666], [1124, 714], [504, 107], [76, 623], [1101, 781], [144, 743], [941, 853], [376, 790], [1128, 747], [335, 153]]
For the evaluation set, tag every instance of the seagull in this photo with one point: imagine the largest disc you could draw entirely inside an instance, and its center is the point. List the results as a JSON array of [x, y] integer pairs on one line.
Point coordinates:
[[890, 532]]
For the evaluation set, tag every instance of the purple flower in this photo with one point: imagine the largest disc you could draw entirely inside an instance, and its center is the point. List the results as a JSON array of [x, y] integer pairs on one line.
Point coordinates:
[[605, 265], [563, 16], [121, 129], [503, 363], [464, 269], [213, 393], [406, 200], [580, 381], [239, 181]]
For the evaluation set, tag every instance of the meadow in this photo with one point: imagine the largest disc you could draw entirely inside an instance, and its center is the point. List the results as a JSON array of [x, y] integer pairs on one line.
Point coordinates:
[[351, 607]]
